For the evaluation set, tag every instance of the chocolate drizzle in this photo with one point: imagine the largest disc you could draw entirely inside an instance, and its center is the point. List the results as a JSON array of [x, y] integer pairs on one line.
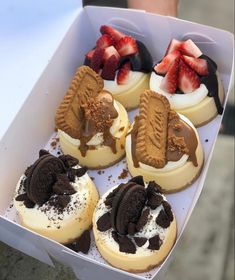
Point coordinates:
[[86, 110], [130, 208]]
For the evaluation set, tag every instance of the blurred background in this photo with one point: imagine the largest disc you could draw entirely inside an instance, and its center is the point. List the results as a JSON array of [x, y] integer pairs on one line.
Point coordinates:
[[210, 228]]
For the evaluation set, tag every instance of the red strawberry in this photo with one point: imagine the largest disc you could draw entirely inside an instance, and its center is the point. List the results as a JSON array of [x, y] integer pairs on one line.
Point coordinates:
[[188, 79], [189, 48], [104, 41], [90, 54], [97, 59], [170, 81], [164, 65], [123, 74], [197, 64], [174, 45], [106, 29], [109, 70], [126, 46], [109, 51]]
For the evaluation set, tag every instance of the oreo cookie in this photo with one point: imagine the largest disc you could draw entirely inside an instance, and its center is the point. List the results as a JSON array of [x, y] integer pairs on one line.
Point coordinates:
[[130, 208], [41, 178]]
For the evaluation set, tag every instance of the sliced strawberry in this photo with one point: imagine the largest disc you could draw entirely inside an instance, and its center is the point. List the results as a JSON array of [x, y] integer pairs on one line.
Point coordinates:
[[97, 59], [123, 74], [105, 41], [109, 51], [174, 45], [90, 54], [109, 70], [127, 46], [188, 79], [106, 29], [170, 81], [189, 48], [197, 64], [164, 65]]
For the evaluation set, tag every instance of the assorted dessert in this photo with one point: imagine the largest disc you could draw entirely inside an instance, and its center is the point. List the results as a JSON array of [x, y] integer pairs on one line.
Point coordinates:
[[163, 146], [91, 125], [56, 198], [124, 63], [190, 81], [134, 226]]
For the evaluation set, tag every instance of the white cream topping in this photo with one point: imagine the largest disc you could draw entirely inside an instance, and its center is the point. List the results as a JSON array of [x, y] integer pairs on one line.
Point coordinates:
[[46, 216], [114, 88], [178, 101], [149, 230], [171, 165], [98, 138]]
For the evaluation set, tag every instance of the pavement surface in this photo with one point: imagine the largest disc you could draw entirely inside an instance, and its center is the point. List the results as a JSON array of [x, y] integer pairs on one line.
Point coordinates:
[[206, 250]]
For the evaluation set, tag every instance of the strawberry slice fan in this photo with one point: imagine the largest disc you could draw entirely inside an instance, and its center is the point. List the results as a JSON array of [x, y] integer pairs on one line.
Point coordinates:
[[183, 71], [123, 62]]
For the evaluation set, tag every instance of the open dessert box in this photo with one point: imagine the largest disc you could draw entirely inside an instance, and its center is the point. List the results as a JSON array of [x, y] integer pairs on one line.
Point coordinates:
[[20, 144]]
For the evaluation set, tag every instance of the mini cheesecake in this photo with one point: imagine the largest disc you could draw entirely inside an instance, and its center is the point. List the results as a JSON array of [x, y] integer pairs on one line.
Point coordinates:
[[163, 146], [134, 226], [124, 63], [91, 125], [190, 81], [56, 198]]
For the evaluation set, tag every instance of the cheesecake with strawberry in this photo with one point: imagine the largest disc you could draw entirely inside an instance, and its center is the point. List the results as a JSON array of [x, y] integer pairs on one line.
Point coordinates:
[[124, 64], [190, 81]]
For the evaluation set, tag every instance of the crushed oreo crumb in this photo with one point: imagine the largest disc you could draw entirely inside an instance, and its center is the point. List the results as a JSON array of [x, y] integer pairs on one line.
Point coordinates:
[[115, 236], [28, 203], [59, 201], [168, 210], [82, 244], [21, 197], [138, 180], [153, 188], [63, 186], [163, 220], [104, 222], [131, 228], [43, 152], [68, 161]]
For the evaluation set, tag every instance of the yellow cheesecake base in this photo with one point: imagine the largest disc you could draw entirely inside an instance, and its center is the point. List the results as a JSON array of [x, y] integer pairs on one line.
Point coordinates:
[[130, 99], [67, 230], [206, 110], [101, 156]]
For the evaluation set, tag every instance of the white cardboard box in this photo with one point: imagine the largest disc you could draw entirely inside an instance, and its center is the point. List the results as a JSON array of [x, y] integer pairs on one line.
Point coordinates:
[[30, 125]]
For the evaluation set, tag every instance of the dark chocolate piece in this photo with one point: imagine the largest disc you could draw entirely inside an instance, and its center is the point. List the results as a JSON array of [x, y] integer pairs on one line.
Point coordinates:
[[115, 236], [104, 222], [168, 210], [155, 243], [140, 241], [143, 219], [21, 197], [153, 188]]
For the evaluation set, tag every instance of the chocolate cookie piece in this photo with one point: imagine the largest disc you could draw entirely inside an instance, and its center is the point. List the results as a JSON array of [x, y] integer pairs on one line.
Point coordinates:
[[126, 245], [83, 243], [138, 180], [72, 173], [163, 220], [131, 229], [109, 199], [153, 188], [43, 152], [68, 160], [104, 222], [130, 208], [168, 210], [41, 178], [63, 186], [143, 219], [115, 236], [154, 200], [155, 243], [140, 241], [122, 189]]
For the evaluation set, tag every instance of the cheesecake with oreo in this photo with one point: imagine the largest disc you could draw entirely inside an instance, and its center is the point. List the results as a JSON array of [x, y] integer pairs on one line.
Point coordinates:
[[134, 226], [190, 80], [124, 63], [56, 198], [91, 125], [163, 146]]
